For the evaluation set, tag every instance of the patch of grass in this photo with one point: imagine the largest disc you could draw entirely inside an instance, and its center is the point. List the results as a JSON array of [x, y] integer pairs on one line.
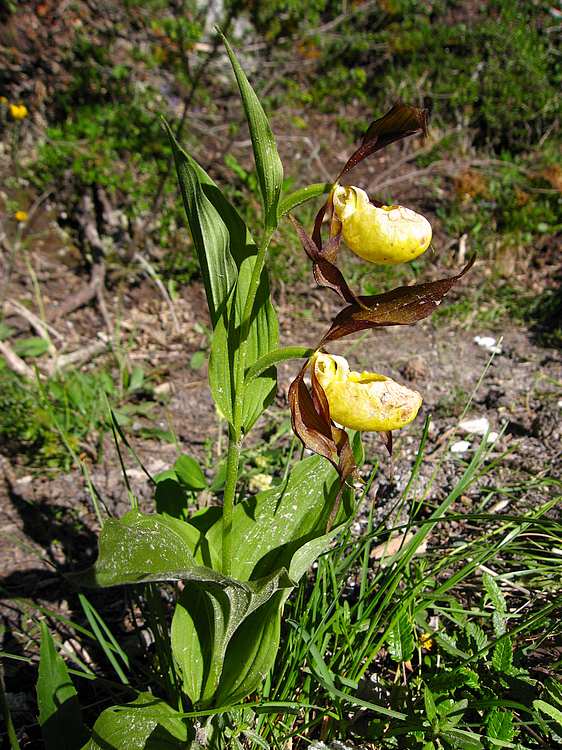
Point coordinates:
[[476, 67], [45, 423], [409, 647], [497, 300], [512, 203], [452, 404]]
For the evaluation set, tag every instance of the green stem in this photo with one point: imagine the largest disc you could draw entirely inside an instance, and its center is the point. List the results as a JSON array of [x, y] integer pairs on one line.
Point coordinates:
[[232, 461], [277, 355], [235, 436]]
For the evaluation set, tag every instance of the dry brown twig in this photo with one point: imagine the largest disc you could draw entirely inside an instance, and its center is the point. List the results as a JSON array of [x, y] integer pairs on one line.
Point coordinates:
[[15, 363]]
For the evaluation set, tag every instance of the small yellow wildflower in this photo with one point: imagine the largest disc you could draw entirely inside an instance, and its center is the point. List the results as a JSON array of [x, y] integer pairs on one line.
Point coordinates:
[[18, 111], [364, 401], [260, 482], [21, 216], [426, 641], [3, 100], [391, 234]]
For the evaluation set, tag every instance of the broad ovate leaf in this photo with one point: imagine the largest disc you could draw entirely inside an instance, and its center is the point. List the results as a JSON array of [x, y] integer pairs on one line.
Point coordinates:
[[139, 548], [252, 652], [269, 528], [148, 723], [206, 618]]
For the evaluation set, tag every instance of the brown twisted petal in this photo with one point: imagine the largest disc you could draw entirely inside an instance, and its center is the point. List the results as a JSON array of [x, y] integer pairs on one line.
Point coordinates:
[[402, 306]]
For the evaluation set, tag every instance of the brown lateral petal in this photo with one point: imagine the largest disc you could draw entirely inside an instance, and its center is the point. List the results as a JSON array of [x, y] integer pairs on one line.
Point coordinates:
[[402, 306], [326, 273], [317, 231], [310, 416], [399, 122], [346, 464]]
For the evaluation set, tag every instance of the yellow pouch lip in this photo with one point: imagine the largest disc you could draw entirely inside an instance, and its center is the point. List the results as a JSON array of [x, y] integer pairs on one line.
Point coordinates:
[[388, 234], [354, 404], [365, 377]]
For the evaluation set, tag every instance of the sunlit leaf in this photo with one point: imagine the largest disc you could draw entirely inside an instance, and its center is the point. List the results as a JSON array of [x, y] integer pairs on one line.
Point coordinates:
[[499, 725], [189, 473], [252, 652], [206, 619], [502, 658], [400, 639], [148, 723], [268, 164], [213, 238]]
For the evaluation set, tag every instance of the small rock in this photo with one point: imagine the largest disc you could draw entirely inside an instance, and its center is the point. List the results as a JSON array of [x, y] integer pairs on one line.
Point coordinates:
[[461, 446], [492, 437], [163, 389], [475, 426], [489, 343], [415, 369]]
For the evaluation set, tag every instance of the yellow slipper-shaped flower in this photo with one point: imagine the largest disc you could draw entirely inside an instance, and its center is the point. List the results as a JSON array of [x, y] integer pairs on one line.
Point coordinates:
[[391, 234], [364, 401]]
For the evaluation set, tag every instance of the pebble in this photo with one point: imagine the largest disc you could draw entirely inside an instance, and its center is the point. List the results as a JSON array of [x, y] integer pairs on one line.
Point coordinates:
[[461, 446], [492, 437], [475, 426], [489, 343]]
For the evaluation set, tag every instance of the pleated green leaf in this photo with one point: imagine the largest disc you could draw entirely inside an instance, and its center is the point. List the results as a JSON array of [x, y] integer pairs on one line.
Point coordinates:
[[268, 164], [271, 530], [207, 618], [226, 254], [263, 338], [218, 232], [252, 652]]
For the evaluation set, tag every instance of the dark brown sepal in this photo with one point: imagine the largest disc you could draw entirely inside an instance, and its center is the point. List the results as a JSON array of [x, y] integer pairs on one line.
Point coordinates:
[[399, 122], [402, 306]]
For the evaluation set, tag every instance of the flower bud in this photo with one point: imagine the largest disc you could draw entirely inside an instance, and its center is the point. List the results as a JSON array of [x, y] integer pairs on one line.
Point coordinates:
[[364, 401], [391, 234]]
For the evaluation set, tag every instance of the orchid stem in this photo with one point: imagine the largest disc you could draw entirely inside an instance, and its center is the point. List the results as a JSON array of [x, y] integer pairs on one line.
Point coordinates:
[[235, 436]]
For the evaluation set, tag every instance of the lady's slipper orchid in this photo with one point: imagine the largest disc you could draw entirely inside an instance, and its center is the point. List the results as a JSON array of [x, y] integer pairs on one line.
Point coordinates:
[[364, 401], [390, 234]]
